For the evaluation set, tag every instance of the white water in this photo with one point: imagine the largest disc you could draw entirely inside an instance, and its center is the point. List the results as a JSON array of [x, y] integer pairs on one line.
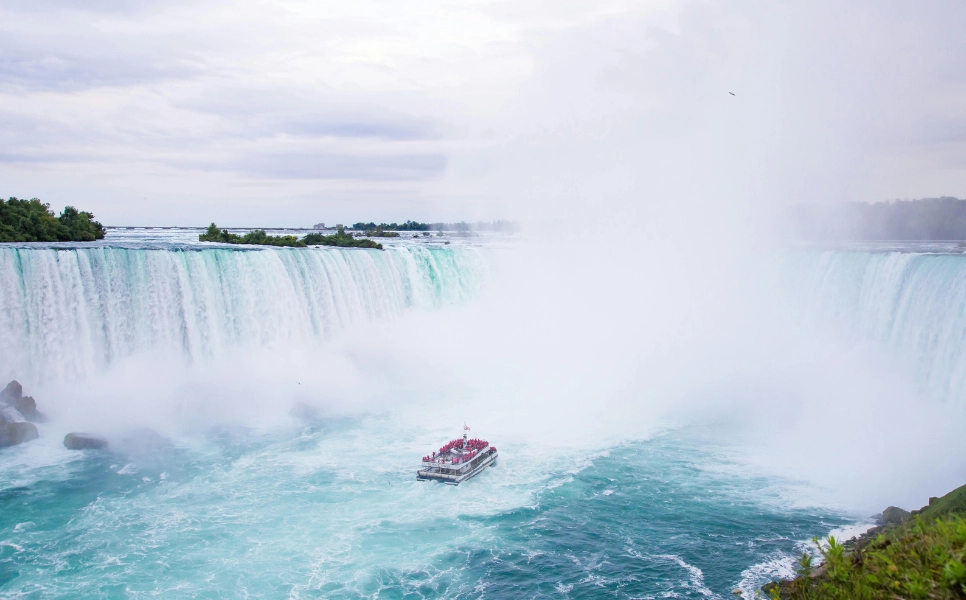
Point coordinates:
[[912, 306], [183, 341], [66, 314]]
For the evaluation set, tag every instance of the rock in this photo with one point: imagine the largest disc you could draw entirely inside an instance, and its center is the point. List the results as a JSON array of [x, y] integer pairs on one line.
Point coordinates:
[[894, 516], [11, 393], [12, 396], [12, 433], [84, 441], [27, 407]]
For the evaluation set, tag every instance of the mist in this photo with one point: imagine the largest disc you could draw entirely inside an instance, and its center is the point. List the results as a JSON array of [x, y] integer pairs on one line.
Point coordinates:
[[647, 151], [575, 346]]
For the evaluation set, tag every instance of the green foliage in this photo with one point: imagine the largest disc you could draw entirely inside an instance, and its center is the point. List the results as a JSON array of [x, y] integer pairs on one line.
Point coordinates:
[[462, 226], [380, 231], [407, 226], [953, 503], [213, 234], [259, 237], [33, 221], [340, 238], [924, 559]]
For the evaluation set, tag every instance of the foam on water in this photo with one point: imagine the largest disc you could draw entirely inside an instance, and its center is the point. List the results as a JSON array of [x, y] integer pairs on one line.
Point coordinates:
[[71, 313], [328, 506]]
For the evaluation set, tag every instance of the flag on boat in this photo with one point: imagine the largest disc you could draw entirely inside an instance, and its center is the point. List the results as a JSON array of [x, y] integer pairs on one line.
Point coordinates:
[[465, 427]]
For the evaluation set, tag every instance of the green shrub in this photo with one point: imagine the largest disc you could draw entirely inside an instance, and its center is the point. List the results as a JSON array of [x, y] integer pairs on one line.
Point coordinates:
[[33, 221], [923, 559], [258, 236]]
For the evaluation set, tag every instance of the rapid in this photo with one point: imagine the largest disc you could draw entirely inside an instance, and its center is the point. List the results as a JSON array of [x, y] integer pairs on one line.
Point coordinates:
[[641, 456]]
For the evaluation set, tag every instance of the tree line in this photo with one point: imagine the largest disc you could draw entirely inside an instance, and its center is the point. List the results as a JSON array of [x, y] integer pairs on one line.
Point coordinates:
[[500, 225], [339, 238], [925, 219], [32, 221]]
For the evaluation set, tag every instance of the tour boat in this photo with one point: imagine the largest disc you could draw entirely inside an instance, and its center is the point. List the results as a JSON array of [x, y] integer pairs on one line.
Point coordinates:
[[457, 461]]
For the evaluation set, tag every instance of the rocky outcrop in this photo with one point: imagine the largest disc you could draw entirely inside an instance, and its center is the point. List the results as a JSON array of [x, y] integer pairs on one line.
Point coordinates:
[[15, 412], [13, 433], [84, 441], [12, 395], [27, 406], [13, 391], [894, 516]]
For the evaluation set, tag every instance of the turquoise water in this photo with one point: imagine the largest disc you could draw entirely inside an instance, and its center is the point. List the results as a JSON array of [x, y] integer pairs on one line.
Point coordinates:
[[71, 313], [234, 502], [297, 513]]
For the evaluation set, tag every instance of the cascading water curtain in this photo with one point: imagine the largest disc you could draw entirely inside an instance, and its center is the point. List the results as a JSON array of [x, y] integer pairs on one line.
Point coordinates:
[[911, 304], [68, 313]]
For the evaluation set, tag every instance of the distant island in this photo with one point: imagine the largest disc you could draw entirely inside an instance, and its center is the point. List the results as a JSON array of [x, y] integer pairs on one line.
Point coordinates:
[[259, 237], [33, 221], [407, 226], [926, 219], [500, 225]]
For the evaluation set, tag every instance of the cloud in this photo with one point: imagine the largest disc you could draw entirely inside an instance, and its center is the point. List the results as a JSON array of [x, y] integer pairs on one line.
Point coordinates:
[[26, 70], [499, 109], [319, 165]]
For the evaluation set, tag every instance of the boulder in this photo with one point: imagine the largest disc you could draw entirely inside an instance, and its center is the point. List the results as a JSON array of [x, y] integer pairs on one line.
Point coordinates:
[[27, 407], [12, 393], [894, 516], [12, 433], [84, 441]]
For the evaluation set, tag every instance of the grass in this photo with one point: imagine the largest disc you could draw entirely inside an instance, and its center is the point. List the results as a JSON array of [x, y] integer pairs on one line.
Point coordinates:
[[921, 559]]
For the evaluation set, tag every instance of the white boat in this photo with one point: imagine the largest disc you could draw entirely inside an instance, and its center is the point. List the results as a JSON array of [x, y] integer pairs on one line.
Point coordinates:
[[457, 461]]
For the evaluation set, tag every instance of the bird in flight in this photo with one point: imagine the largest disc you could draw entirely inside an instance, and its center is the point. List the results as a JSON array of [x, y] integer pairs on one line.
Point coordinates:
[[732, 93]]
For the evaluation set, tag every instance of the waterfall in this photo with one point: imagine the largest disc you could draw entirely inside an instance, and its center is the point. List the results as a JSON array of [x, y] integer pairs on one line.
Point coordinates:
[[67, 313], [913, 305]]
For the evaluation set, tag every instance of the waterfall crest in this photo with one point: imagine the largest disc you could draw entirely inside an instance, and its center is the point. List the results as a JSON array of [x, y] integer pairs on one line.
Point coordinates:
[[66, 313], [913, 305]]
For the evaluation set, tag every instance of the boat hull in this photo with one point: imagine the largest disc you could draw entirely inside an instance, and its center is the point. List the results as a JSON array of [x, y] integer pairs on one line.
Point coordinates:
[[456, 478]]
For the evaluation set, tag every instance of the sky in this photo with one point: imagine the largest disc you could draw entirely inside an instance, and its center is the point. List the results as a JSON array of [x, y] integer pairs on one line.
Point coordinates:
[[287, 113]]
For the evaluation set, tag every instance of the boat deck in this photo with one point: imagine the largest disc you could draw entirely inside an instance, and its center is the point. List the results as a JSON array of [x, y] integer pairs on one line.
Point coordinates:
[[457, 461]]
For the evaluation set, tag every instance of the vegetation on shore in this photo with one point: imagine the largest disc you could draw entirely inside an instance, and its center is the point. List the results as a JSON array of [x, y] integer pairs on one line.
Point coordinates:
[[339, 238], [922, 555], [379, 231], [500, 225], [33, 221], [925, 219], [407, 226]]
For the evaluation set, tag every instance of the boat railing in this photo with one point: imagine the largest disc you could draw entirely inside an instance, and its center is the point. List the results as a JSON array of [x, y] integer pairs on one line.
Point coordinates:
[[436, 464]]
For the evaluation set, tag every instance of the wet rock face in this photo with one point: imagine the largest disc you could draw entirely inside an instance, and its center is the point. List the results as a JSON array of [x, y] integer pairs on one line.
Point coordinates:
[[12, 396], [12, 393], [15, 411], [27, 407], [84, 441], [12, 434]]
